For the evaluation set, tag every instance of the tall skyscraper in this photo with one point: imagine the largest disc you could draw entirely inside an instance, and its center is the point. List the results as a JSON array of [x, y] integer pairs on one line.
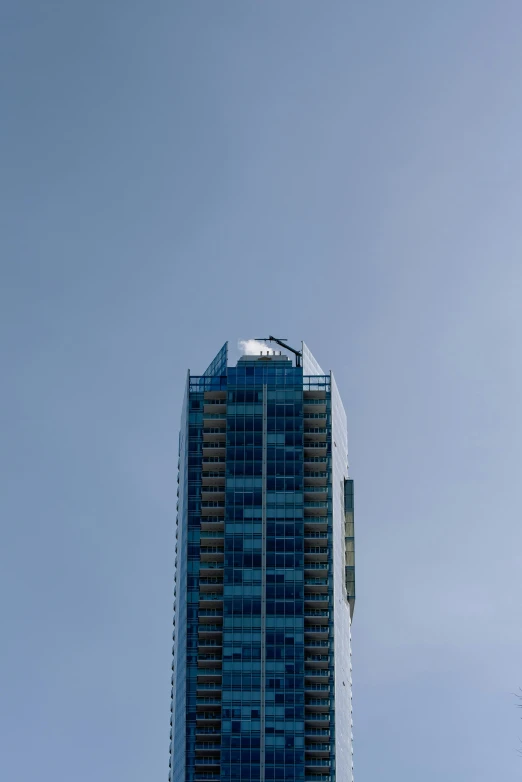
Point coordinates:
[[264, 586]]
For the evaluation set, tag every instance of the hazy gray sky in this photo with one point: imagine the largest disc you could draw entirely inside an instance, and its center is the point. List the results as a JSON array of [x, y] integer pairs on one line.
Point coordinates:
[[174, 174]]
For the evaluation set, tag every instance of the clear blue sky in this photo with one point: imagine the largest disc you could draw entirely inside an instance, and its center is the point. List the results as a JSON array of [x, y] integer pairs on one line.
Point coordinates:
[[174, 174]]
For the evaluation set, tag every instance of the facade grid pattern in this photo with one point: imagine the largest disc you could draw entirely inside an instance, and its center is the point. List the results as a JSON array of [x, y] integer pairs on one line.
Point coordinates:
[[261, 561]]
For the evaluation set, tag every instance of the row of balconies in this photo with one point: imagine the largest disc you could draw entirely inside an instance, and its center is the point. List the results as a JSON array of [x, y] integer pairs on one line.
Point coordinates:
[[210, 627]]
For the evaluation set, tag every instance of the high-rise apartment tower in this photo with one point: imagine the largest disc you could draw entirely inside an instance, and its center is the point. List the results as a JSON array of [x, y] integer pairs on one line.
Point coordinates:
[[264, 587]]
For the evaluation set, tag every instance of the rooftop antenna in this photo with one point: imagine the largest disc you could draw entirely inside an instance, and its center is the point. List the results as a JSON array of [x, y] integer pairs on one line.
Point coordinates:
[[298, 354]]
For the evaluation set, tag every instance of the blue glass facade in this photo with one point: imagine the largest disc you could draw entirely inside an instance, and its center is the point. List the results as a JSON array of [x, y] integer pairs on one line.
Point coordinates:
[[261, 658]]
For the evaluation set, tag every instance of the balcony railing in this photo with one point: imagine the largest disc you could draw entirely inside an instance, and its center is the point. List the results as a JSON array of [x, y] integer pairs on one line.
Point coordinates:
[[317, 732], [317, 612], [315, 598]]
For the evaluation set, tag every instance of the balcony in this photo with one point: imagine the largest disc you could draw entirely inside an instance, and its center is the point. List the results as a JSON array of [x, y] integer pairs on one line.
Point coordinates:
[[213, 536], [211, 581], [316, 566], [212, 478], [314, 508], [208, 761], [208, 731], [213, 463], [210, 493], [315, 478], [214, 406], [316, 631], [214, 746], [210, 615], [315, 524], [317, 642], [212, 523], [323, 535], [213, 449], [316, 493], [312, 583], [206, 568], [316, 703], [210, 630], [213, 418], [214, 434], [208, 661], [315, 762], [209, 675], [212, 700], [211, 554], [317, 732], [316, 554], [212, 508], [317, 688], [320, 749], [214, 598], [319, 615], [315, 463], [319, 448], [318, 676], [317, 600], [208, 716], [314, 406], [316, 660], [316, 716], [312, 433], [206, 686]]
